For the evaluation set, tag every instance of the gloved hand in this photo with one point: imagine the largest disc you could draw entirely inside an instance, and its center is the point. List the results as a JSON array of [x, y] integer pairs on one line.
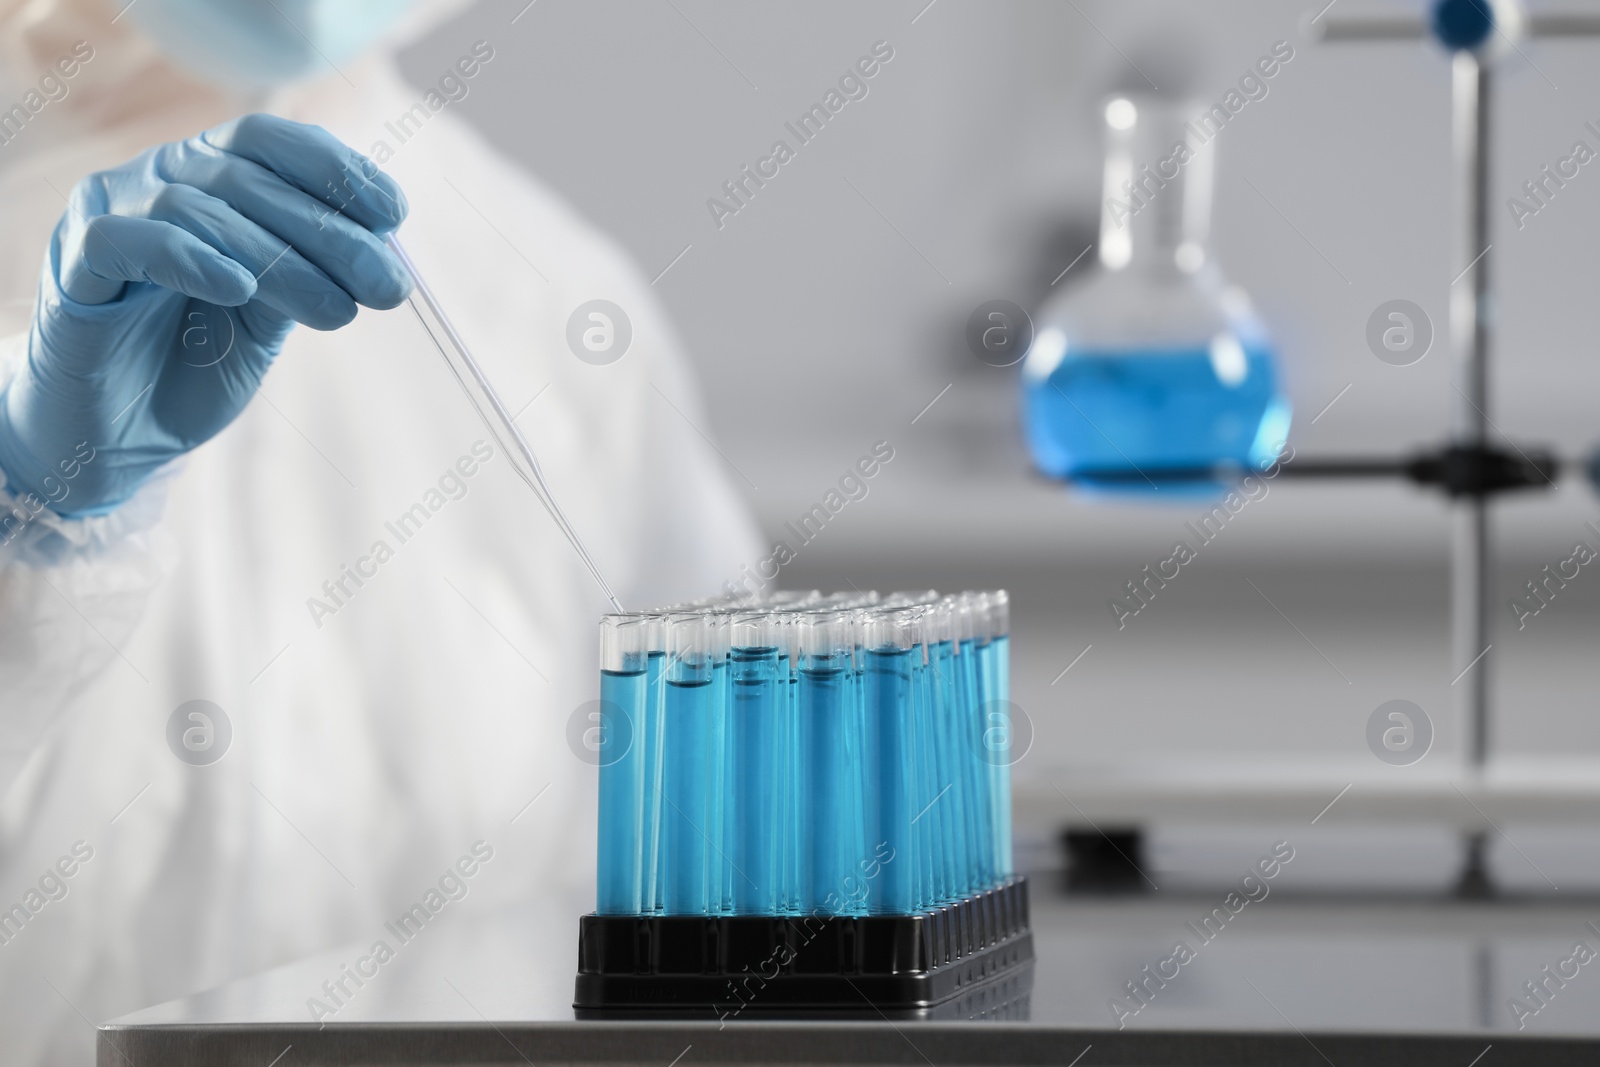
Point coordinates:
[[170, 286]]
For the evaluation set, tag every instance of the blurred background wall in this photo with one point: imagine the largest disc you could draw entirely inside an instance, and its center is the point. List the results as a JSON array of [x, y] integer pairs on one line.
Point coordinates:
[[827, 314]]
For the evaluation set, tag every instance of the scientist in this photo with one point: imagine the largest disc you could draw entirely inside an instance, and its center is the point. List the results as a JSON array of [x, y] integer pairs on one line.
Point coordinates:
[[281, 634]]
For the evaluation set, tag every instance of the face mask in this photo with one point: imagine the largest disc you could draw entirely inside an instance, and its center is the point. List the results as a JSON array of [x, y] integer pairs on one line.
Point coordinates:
[[257, 44]]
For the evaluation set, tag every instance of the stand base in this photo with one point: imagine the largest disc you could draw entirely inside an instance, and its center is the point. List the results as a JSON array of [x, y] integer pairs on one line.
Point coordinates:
[[973, 958]]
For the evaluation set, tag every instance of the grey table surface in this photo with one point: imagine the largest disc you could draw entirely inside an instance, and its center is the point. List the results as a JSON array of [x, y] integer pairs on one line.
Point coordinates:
[[1291, 981]]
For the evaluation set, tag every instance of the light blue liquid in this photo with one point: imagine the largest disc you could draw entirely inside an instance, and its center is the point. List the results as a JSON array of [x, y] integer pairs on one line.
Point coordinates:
[[755, 726], [946, 713], [719, 822], [621, 756], [831, 838], [686, 791], [1123, 412], [788, 780], [974, 769], [856, 887], [847, 784], [999, 673], [888, 705]]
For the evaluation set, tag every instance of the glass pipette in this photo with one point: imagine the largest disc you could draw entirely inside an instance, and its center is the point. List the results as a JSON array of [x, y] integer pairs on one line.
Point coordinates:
[[486, 402]]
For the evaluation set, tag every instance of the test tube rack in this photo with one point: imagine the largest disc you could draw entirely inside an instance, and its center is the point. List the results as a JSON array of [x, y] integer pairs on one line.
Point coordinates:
[[966, 960], [805, 806]]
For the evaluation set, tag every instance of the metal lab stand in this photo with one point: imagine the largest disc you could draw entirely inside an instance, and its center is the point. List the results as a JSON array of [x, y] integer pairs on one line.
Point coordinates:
[[1473, 469]]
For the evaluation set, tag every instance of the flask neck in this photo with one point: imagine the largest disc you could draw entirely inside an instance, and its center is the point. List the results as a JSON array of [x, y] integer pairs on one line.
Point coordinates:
[[1155, 214]]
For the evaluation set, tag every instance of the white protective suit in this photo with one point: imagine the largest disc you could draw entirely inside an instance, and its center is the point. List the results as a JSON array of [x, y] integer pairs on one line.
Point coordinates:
[[370, 746]]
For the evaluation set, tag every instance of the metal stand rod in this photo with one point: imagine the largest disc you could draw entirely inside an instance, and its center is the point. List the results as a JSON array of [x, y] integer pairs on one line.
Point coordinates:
[[1556, 24], [1383, 27], [1370, 28], [1469, 336]]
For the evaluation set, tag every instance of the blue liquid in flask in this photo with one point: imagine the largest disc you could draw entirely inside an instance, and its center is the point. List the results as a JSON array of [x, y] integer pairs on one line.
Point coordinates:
[[1109, 419]]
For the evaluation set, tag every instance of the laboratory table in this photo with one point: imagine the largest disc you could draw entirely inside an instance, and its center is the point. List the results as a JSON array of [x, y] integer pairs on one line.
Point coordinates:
[[1293, 981]]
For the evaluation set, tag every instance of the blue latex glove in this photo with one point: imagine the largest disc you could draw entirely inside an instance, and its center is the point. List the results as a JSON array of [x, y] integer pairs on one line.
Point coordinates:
[[171, 284]]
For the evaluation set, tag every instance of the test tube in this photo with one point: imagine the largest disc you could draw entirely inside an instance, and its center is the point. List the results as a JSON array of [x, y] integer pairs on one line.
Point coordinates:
[[650, 891], [790, 771], [831, 765], [926, 832], [855, 887], [617, 731], [954, 872], [891, 640], [1000, 678], [687, 767], [969, 625], [755, 726], [991, 725], [720, 810], [717, 613]]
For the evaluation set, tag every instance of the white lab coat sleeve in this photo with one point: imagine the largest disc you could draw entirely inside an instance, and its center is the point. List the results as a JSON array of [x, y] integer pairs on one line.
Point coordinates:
[[71, 594]]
